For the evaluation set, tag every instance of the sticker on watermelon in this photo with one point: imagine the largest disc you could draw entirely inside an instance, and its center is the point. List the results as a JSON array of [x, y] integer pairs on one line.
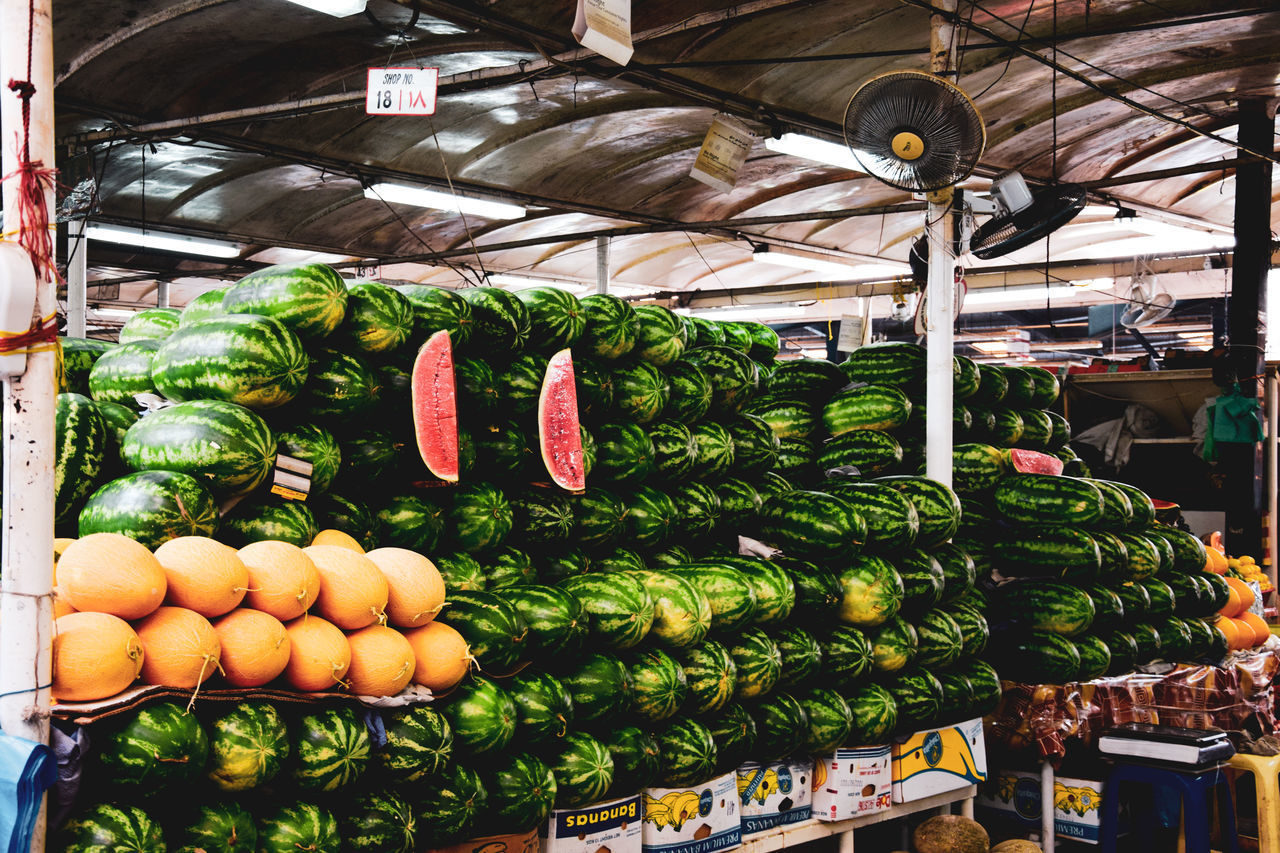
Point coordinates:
[[1034, 462], [435, 407], [558, 435]]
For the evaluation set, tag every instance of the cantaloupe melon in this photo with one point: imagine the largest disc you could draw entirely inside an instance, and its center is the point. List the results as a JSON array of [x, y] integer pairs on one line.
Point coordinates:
[[111, 573], [441, 654], [415, 588], [339, 539], [61, 607], [353, 590], [283, 580], [203, 574], [255, 647], [949, 833], [59, 545], [95, 656], [320, 654], [382, 661], [182, 649]]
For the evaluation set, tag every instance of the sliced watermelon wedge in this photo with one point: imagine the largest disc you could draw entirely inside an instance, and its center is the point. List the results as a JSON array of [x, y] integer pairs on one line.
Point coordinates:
[[1033, 462], [558, 434], [435, 407]]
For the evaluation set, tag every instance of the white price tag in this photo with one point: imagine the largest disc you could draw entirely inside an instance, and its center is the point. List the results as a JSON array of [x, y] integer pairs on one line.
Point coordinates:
[[724, 150], [401, 91], [605, 27], [850, 333]]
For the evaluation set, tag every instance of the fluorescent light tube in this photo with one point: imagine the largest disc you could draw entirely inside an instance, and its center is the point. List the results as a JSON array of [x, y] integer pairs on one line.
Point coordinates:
[[112, 312], [423, 197], [504, 279], [337, 8], [811, 148], [762, 313], [165, 242], [811, 263], [998, 295]]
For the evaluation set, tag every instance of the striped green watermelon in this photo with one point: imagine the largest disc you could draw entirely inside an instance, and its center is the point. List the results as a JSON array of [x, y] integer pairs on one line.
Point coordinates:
[[734, 376], [503, 450], [419, 743], [682, 612], [600, 686], [736, 336], [758, 662], [1037, 429], [734, 731], [121, 373], [80, 443], [801, 655], [435, 308], [239, 358], [480, 517], [1165, 555], [118, 829], [1022, 386], [1062, 552], [871, 592], [796, 460], [151, 507], [880, 407], [774, 590], [599, 517], [739, 503], [691, 392], [1036, 657], [1095, 657], [1108, 608], [316, 445], [651, 517], [78, 357], [765, 342], [1046, 499], [937, 507], [729, 591], [658, 684], [541, 516], [1006, 427], [846, 655], [493, 628], [893, 645], [830, 720], [117, 418], [787, 418], [228, 448], [957, 696], [612, 328], [668, 557], [887, 363], [331, 749], [626, 453], [892, 520], [150, 324], [594, 386], [269, 518], [1147, 640], [379, 318], [477, 387], [661, 335], [299, 826], [556, 620], [619, 609], [872, 452], [976, 467], [522, 790], [448, 810], [818, 591], [805, 379], [1117, 512], [310, 299], [772, 483], [805, 523], [874, 714], [1144, 511], [713, 446], [782, 726], [368, 456], [755, 445], [377, 822], [340, 386], [158, 746], [356, 519], [544, 708], [940, 640], [922, 580], [636, 759], [965, 376], [974, 631], [202, 307], [225, 826], [481, 714], [1123, 649], [706, 332], [508, 567], [520, 383], [958, 570], [918, 698], [583, 770], [617, 560], [687, 753], [556, 318], [711, 676], [986, 685], [1115, 556], [674, 450], [1189, 554], [408, 521], [460, 571]]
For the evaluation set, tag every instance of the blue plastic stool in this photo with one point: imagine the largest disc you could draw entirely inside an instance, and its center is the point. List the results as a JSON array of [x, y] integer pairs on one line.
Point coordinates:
[[1193, 789]]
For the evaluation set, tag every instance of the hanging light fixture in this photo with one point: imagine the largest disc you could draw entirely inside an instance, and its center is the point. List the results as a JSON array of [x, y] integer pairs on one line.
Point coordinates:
[[337, 8]]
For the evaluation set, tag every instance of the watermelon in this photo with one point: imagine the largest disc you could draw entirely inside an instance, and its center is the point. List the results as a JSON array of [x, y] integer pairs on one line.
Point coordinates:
[[661, 335], [151, 507], [974, 631], [786, 418], [941, 641], [958, 570], [436, 309], [976, 467], [1123, 649], [1108, 608], [544, 708], [739, 503], [583, 770], [734, 731], [1021, 390], [917, 695], [460, 571], [1188, 551], [626, 453], [871, 592], [1037, 429], [408, 521], [158, 746], [541, 516], [507, 567], [612, 327], [454, 802], [879, 407], [651, 517], [1046, 606], [758, 662], [78, 357], [1044, 499], [1007, 427], [502, 449], [796, 459], [1062, 552], [340, 386], [434, 401], [813, 379], [893, 645], [80, 442], [481, 714], [781, 726], [226, 826], [765, 343], [668, 557], [1161, 597], [331, 749], [351, 517], [687, 753], [870, 451], [368, 456], [674, 450], [711, 676], [117, 419], [755, 445], [713, 449], [480, 517], [419, 743], [801, 655], [818, 590], [619, 609], [476, 385], [730, 593], [682, 612], [658, 684], [937, 507], [1175, 639], [617, 560], [772, 483], [556, 318], [310, 299], [555, 618], [699, 509], [705, 332], [522, 791], [957, 696], [887, 363], [378, 318], [830, 720], [119, 829], [691, 392], [1144, 511], [1147, 640], [734, 376], [736, 336], [493, 628], [892, 520], [1035, 657], [1095, 657], [874, 714], [521, 381], [986, 686], [600, 687], [270, 518], [636, 759], [846, 655], [121, 373], [589, 456], [599, 517], [499, 319], [1164, 551], [774, 590], [315, 445], [966, 379], [1143, 557], [816, 524], [150, 324], [1135, 600], [1115, 556], [377, 821]]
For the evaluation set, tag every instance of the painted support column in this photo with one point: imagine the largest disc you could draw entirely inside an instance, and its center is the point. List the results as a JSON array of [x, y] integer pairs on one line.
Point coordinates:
[[602, 265], [77, 278]]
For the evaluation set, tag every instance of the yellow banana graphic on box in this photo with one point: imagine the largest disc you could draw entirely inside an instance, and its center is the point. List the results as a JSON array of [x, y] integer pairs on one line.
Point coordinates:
[[1080, 800], [672, 809], [765, 782]]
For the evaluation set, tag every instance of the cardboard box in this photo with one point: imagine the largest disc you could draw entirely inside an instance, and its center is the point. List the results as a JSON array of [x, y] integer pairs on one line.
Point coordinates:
[[612, 826], [937, 760], [775, 794], [525, 842], [852, 782], [1013, 796], [698, 819]]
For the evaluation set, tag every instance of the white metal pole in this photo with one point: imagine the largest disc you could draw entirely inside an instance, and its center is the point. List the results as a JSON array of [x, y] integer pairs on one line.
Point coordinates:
[[162, 294], [1048, 835], [940, 290], [26, 624], [602, 265], [77, 278]]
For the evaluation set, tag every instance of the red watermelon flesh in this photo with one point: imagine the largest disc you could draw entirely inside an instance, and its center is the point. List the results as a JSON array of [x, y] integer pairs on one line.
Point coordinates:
[[558, 434], [435, 407], [1034, 462]]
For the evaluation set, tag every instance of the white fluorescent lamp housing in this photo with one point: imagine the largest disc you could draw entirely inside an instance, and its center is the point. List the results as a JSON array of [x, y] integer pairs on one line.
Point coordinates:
[[811, 263], [761, 313], [112, 312], [337, 8], [506, 279], [165, 242], [999, 295], [423, 197], [811, 148]]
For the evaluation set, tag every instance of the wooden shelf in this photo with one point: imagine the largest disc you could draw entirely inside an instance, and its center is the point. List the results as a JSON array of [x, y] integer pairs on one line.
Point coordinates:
[[1174, 395], [1177, 439]]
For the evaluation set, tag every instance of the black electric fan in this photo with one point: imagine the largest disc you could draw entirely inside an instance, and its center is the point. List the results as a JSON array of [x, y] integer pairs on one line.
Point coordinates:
[[1023, 217]]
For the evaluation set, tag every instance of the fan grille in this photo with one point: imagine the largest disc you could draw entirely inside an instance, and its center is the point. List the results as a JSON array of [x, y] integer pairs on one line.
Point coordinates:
[[923, 104], [1050, 209]]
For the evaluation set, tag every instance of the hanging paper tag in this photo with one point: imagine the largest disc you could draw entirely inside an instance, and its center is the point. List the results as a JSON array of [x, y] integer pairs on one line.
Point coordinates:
[[850, 333], [292, 478], [605, 27], [401, 91], [724, 150]]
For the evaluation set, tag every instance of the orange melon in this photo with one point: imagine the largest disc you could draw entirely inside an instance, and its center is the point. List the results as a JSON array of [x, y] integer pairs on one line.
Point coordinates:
[[95, 656], [1230, 630], [1232, 607], [182, 648], [111, 573], [320, 655], [61, 607], [1244, 591], [1244, 633], [353, 590], [255, 647], [415, 588], [59, 545], [1261, 631], [283, 580], [382, 661], [442, 656], [204, 575], [338, 539]]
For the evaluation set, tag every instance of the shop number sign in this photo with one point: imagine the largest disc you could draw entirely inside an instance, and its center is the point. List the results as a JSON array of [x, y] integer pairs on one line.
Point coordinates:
[[401, 91]]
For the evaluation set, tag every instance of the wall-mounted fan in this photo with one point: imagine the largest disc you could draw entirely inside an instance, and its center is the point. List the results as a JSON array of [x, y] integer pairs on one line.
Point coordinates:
[[1147, 303], [1022, 217]]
